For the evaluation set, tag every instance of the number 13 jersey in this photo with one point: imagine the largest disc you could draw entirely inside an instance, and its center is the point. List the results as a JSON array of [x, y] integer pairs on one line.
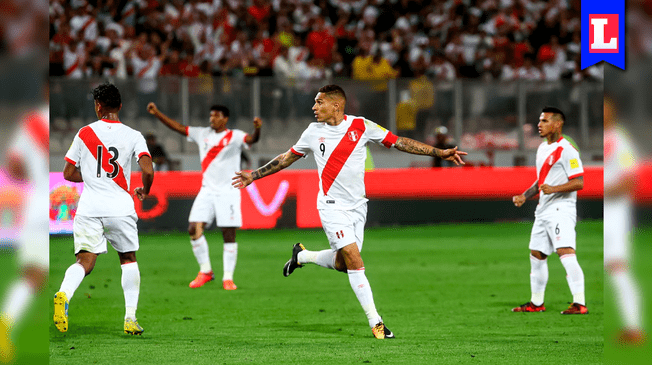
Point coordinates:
[[103, 151], [340, 155]]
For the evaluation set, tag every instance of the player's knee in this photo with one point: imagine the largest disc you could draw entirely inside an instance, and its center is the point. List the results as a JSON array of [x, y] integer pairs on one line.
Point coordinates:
[[538, 254], [565, 251], [194, 231], [615, 267]]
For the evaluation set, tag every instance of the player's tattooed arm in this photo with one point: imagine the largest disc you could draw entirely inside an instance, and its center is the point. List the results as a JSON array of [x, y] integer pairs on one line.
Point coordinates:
[[277, 164], [415, 147], [244, 178], [419, 148], [532, 190]]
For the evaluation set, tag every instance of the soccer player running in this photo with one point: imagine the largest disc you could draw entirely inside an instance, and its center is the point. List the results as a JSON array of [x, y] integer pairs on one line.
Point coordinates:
[[619, 183], [100, 156], [338, 143], [220, 149], [27, 167], [559, 177]]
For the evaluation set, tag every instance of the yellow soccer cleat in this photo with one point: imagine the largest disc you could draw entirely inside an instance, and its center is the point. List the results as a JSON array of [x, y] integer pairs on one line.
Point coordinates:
[[132, 327], [381, 332], [61, 311], [7, 349]]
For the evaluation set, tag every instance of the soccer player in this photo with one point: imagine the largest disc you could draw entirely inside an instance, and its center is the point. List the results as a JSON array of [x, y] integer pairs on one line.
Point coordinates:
[[559, 177], [619, 182], [27, 167], [338, 143], [220, 149], [100, 156]]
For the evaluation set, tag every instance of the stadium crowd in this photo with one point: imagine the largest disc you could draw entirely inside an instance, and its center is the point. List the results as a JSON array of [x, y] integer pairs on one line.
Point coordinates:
[[313, 39]]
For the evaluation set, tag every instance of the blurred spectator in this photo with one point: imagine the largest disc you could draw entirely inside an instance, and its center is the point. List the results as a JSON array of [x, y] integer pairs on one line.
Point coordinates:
[[442, 140], [529, 71], [233, 35], [159, 157]]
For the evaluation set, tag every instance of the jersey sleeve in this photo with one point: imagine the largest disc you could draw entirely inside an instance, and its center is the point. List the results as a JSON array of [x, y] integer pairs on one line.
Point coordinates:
[[74, 152], [302, 147], [239, 136], [573, 164], [140, 147], [193, 134], [379, 135]]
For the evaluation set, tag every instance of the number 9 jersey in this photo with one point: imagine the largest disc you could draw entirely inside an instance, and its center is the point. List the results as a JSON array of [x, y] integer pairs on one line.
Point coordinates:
[[103, 152]]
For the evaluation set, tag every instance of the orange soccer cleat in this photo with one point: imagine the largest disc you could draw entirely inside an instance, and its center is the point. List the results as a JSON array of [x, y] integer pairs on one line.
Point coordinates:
[[529, 307], [201, 279], [576, 308], [229, 285]]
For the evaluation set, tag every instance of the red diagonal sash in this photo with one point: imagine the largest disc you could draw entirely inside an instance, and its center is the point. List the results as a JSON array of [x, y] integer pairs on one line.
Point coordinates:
[[142, 72], [547, 165], [38, 129], [91, 141], [341, 153], [213, 152]]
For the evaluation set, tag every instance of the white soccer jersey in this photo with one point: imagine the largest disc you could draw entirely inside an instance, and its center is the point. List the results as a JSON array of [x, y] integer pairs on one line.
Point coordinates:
[[619, 156], [31, 145], [220, 156], [103, 151], [557, 163], [340, 154]]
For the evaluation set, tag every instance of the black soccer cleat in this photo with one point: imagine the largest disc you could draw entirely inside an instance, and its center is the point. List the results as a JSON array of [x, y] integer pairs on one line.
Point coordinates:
[[293, 263]]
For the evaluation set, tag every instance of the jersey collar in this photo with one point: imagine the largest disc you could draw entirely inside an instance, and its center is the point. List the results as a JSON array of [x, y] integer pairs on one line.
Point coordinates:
[[110, 121]]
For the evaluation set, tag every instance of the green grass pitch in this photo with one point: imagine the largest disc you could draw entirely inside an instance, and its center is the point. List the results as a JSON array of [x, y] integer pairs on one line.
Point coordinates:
[[445, 291]]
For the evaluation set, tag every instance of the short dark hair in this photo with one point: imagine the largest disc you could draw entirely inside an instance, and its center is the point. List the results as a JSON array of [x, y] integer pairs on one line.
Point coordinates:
[[553, 110], [107, 95], [333, 90], [221, 108]]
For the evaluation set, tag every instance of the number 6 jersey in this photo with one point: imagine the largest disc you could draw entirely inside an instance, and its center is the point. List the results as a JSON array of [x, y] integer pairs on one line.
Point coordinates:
[[103, 151]]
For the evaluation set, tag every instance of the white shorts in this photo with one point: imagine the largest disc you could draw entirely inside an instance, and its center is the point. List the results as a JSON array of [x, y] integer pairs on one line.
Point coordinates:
[[552, 232], [617, 230], [343, 227], [91, 233], [224, 209]]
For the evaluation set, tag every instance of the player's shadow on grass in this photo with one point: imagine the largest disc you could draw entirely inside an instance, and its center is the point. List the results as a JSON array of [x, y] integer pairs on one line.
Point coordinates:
[[86, 331], [335, 330]]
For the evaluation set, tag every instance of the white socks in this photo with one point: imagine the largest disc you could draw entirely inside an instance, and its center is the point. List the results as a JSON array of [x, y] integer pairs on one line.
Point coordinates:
[[628, 298], [72, 279], [574, 276], [229, 259], [362, 290], [323, 258], [538, 279], [131, 288], [18, 299], [200, 249]]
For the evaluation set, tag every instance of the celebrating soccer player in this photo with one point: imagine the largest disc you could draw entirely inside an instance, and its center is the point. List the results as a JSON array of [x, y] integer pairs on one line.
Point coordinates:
[[220, 149], [559, 177], [100, 156], [338, 143]]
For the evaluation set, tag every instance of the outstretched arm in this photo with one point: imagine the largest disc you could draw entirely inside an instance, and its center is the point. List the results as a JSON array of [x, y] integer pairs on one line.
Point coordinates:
[[169, 122], [244, 178], [527, 194], [419, 148], [572, 185], [254, 137]]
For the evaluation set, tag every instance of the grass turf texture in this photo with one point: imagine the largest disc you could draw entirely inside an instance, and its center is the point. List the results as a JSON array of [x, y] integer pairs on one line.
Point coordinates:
[[446, 291], [30, 336]]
